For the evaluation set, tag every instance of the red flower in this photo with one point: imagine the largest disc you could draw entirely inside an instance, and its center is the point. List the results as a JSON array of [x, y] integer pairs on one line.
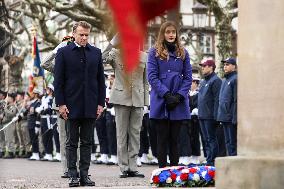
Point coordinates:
[[184, 177], [211, 173], [156, 180], [173, 176], [192, 170]]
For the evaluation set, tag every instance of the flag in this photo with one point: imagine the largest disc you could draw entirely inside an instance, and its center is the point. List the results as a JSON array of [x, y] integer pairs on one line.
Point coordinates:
[[37, 72], [131, 17]]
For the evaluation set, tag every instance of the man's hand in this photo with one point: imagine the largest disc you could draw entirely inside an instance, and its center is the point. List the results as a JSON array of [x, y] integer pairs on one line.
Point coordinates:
[[99, 111], [63, 111]]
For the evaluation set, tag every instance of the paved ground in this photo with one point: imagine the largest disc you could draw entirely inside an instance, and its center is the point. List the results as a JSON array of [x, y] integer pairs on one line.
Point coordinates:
[[22, 174]]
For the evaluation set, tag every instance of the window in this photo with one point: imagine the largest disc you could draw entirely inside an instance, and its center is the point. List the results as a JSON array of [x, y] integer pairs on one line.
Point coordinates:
[[206, 44]]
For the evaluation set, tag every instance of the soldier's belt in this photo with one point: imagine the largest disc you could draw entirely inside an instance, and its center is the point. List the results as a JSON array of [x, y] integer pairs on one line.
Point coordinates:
[[45, 116]]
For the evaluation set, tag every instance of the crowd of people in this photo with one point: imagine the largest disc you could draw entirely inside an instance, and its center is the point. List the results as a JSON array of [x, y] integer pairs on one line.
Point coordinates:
[[159, 114]]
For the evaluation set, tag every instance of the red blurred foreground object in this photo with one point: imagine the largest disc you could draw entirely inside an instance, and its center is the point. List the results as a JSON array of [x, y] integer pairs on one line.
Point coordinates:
[[131, 17]]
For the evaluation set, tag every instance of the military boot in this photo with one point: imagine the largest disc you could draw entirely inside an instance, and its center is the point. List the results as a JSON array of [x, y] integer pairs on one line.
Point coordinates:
[[9, 155], [22, 153], [1, 154]]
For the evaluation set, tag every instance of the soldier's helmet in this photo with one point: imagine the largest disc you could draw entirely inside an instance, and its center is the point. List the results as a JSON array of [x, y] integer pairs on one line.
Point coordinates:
[[50, 86]]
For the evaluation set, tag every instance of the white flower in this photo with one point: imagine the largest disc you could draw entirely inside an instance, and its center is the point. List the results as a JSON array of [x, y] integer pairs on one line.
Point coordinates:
[[204, 174], [196, 177], [169, 180], [185, 170], [178, 179], [156, 172]]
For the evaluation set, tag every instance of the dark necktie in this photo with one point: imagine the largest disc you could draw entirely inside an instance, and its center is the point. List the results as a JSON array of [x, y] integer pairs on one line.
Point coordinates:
[[82, 54]]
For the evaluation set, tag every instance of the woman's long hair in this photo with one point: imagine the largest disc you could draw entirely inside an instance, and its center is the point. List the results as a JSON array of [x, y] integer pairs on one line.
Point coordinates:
[[161, 50]]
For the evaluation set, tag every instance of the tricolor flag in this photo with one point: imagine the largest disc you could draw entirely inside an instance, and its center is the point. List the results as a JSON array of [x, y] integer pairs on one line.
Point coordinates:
[[37, 72]]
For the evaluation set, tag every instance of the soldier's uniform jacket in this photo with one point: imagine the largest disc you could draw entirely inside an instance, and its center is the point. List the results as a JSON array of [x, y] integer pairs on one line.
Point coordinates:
[[128, 89], [49, 61], [47, 114], [2, 106], [33, 117], [9, 112], [22, 110]]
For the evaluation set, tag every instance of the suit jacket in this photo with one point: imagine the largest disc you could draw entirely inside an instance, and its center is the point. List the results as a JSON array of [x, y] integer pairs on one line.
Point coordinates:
[[79, 84], [128, 89]]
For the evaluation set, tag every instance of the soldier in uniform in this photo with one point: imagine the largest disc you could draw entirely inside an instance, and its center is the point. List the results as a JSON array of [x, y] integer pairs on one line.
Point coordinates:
[[2, 136], [21, 124], [45, 111], [15, 71], [34, 124], [48, 64], [10, 113], [129, 95], [49, 61]]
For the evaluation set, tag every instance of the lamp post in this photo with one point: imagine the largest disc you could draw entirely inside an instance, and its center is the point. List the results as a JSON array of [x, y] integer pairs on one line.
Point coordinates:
[[199, 24], [199, 15]]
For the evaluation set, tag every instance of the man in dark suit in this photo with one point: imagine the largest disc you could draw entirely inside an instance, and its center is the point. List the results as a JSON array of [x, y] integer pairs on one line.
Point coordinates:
[[80, 94]]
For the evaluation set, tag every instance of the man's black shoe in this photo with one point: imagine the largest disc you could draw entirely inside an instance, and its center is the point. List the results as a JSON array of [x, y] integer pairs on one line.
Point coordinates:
[[73, 182], [65, 175], [135, 174], [124, 174], [86, 181]]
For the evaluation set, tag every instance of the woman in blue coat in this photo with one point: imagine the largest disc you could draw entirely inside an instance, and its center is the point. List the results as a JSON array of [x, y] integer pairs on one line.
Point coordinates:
[[169, 74]]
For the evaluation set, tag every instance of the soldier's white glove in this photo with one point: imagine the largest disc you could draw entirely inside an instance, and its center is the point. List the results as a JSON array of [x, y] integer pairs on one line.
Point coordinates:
[[45, 106], [38, 109], [14, 119], [112, 112], [145, 110], [194, 111], [37, 129]]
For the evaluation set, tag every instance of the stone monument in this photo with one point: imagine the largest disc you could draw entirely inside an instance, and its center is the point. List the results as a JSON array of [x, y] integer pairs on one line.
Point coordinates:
[[260, 160]]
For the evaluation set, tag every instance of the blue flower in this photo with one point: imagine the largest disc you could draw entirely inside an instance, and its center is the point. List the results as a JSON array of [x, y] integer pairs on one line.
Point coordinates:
[[164, 175], [206, 176], [177, 172]]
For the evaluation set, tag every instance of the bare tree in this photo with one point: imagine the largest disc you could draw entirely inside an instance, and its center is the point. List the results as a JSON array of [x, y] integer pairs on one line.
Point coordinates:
[[223, 17], [60, 14]]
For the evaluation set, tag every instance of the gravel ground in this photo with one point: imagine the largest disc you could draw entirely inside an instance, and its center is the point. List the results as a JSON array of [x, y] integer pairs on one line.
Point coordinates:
[[24, 174], [21, 174]]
